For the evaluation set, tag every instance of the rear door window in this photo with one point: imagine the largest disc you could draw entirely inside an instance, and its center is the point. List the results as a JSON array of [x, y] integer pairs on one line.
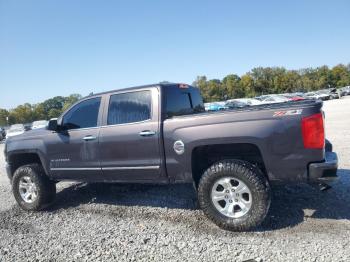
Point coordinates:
[[129, 107]]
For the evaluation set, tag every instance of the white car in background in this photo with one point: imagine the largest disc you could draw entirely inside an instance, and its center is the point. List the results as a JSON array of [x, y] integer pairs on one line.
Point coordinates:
[[272, 99], [249, 101], [39, 124], [317, 96], [241, 103], [15, 130]]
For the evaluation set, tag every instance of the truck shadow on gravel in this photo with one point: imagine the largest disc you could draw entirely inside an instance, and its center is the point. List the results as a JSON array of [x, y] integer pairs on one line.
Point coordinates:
[[290, 206], [164, 196]]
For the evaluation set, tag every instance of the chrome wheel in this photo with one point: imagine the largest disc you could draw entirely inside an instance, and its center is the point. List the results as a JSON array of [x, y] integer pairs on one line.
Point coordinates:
[[231, 197], [27, 189]]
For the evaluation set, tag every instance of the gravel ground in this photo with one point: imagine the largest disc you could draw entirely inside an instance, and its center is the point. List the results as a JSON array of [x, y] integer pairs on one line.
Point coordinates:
[[161, 223]]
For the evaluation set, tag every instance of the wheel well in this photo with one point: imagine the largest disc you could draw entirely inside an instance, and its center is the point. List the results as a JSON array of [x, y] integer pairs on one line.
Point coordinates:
[[205, 156], [21, 159]]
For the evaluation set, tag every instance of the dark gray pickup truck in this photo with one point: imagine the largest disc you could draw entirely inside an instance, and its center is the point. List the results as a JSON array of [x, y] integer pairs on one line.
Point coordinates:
[[161, 134]]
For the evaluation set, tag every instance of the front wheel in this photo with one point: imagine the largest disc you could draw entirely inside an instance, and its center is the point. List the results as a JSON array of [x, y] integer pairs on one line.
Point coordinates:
[[32, 189], [234, 194]]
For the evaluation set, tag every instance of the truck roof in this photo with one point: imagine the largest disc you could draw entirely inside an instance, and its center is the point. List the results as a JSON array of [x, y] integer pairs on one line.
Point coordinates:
[[133, 88]]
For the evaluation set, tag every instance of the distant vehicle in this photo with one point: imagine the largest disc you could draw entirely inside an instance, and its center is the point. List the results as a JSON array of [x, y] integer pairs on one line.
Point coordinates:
[[248, 101], [311, 95], [215, 106], [2, 133], [324, 94], [301, 94], [272, 99], [294, 96], [15, 130], [232, 104], [27, 126], [345, 91], [317, 96], [334, 96], [333, 93], [39, 124]]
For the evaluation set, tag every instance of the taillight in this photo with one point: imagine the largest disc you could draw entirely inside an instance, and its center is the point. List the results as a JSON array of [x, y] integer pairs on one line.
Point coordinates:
[[313, 131]]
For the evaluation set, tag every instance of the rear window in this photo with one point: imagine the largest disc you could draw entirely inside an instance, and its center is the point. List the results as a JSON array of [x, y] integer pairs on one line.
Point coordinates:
[[183, 101]]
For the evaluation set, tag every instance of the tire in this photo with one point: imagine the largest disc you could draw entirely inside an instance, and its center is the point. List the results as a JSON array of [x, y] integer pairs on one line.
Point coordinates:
[[43, 191], [256, 184]]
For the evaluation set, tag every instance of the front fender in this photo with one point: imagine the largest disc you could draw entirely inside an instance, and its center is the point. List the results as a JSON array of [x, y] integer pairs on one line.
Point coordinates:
[[28, 146]]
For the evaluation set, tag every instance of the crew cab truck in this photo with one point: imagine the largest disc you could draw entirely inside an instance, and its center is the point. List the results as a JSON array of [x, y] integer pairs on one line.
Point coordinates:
[[161, 134]]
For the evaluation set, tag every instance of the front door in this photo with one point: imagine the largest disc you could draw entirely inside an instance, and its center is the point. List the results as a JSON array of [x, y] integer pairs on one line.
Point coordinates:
[[129, 139], [73, 151]]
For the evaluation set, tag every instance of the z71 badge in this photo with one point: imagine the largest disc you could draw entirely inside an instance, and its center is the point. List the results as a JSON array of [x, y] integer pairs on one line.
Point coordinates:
[[288, 113]]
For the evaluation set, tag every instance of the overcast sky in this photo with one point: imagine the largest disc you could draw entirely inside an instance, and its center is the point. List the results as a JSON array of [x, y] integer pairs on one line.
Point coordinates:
[[50, 48]]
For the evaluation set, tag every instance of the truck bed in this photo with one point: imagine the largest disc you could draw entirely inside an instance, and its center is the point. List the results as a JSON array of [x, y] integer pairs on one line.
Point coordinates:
[[274, 129], [284, 105]]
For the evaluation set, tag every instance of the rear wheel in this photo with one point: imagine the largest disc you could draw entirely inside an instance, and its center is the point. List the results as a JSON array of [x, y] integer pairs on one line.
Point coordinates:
[[234, 194], [231, 197], [32, 189]]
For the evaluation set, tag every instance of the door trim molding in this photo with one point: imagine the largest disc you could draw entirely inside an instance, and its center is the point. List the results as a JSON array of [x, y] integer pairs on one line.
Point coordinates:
[[105, 168], [130, 168], [73, 168]]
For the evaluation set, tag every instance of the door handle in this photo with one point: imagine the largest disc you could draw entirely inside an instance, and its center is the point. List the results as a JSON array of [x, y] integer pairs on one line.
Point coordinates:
[[89, 138], [147, 133]]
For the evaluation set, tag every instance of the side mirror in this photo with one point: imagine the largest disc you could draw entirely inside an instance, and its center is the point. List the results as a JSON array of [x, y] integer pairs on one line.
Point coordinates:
[[53, 125]]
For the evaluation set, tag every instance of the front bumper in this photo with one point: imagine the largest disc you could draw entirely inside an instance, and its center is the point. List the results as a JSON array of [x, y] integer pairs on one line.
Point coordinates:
[[324, 172]]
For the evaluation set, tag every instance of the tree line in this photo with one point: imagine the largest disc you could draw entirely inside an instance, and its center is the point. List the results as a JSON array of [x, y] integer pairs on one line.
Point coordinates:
[[273, 80], [258, 81], [28, 113]]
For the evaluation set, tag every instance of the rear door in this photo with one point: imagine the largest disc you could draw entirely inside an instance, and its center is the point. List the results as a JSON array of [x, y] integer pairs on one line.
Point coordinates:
[[130, 137]]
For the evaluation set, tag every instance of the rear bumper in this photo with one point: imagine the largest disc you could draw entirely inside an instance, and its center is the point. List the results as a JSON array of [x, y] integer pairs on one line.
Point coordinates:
[[326, 171]]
